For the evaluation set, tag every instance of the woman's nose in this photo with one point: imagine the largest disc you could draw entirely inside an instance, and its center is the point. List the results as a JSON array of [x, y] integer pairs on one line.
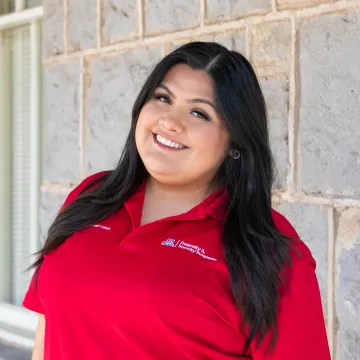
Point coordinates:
[[172, 122]]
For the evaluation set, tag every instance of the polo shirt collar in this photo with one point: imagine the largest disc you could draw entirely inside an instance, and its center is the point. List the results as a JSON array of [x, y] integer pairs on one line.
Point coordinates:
[[134, 205], [214, 206]]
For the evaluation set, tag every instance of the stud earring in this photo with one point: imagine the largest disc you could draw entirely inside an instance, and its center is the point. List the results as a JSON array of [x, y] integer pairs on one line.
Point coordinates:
[[235, 154]]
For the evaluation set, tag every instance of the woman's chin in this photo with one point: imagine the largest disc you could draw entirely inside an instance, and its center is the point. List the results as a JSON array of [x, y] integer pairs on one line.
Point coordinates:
[[159, 169]]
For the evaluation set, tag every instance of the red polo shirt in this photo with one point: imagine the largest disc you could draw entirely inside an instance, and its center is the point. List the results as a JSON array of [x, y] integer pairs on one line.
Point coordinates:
[[118, 290]]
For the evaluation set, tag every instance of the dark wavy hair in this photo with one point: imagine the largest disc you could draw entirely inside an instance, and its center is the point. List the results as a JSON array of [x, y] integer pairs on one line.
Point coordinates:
[[255, 250]]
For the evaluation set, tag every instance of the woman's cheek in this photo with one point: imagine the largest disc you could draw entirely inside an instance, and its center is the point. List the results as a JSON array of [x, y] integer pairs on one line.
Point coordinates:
[[203, 134]]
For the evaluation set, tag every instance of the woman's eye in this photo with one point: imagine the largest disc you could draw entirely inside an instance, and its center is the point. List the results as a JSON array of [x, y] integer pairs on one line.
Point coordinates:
[[200, 115], [163, 98]]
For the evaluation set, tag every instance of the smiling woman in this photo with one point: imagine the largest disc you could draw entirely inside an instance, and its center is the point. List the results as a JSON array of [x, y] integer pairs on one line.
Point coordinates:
[[194, 262], [191, 141]]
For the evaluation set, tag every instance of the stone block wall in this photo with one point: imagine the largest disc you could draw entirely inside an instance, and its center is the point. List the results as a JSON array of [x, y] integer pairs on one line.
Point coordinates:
[[97, 53]]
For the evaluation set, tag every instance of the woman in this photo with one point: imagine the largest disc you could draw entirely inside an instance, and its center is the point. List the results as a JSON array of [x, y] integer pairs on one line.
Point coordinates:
[[177, 253]]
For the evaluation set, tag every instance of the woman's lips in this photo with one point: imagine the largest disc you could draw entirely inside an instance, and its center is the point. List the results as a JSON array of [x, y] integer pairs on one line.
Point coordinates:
[[166, 143]]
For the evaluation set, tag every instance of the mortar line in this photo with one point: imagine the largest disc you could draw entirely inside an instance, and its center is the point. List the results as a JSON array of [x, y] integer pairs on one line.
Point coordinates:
[[202, 13], [83, 119], [57, 188], [140, 20], [166, 49], [99, 24], [66, 32], [248, 40], [292, 177], [316, 200], [274, 5], [331, 280]]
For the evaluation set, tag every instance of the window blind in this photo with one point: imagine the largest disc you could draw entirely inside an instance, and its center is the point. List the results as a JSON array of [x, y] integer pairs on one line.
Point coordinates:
[[20, 158]]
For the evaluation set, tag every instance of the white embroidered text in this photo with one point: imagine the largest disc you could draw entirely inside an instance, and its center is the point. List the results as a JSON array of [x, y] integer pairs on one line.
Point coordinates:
[[102, 227], [189, 247]]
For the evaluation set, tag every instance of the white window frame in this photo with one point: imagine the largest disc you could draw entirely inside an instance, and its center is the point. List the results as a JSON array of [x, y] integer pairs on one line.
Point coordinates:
[[11, 316]]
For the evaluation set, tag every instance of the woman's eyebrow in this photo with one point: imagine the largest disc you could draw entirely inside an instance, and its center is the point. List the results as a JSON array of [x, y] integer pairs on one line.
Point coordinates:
[[204, 101], [163, 86], [197, 100]]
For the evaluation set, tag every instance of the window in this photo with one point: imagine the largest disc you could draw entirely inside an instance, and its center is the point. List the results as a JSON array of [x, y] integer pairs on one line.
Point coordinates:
[[11, 6], [20, 143]]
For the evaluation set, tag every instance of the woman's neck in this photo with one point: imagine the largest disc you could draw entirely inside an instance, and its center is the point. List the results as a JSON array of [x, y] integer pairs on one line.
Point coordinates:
[[165, 200], [195, 192]]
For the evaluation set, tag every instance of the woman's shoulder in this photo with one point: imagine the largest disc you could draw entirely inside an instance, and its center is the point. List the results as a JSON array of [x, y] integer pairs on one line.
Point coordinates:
[[85, 184], [90, 179], [299, 251]]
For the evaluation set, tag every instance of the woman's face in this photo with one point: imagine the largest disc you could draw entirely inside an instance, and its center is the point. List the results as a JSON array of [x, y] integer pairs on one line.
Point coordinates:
[[179, 135]]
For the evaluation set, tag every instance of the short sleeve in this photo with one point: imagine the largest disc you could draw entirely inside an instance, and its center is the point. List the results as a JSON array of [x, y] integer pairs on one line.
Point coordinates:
[[76, 192], [301, 325], [300, 318], [31, 299]]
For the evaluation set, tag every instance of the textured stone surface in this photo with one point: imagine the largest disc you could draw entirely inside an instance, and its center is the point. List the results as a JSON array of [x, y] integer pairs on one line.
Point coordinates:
[[170, 15], [233, 41], [119, 19], [115, 84], [82, 24], [295, 4], [271, 44], [53, 27], [50, 205], [348, 285], [310, 222], [328, 88], [329, 128], [276, 95], [61, 122], [232, 9]]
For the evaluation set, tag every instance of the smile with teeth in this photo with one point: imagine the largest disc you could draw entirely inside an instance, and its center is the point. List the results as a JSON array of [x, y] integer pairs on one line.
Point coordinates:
[[164, 141]]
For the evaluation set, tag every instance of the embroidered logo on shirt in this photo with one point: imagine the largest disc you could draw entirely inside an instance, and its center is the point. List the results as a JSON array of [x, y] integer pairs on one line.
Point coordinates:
[[169, 242], [194, 249], [102, 227]]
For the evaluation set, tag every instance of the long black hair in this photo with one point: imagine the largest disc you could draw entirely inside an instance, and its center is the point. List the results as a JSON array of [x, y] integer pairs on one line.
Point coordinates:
[[256, 252]]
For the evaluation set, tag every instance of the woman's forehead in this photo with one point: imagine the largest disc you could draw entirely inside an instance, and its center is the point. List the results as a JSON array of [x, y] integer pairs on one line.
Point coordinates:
[[182, 78]]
